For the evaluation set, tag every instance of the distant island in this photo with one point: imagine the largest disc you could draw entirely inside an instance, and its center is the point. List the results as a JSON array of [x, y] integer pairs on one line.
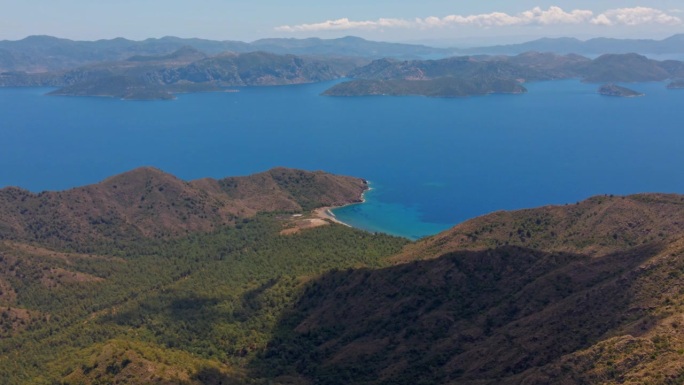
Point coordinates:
[[183, 71], [440, 87], [615, 90], [480, 75], [676, 84], [162, 68]]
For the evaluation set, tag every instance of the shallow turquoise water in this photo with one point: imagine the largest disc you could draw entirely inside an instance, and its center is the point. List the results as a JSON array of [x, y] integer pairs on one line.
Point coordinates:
[[376, 215], [433, 162]]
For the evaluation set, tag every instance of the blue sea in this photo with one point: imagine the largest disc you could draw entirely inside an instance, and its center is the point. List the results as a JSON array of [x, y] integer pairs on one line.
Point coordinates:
[[432, 163]]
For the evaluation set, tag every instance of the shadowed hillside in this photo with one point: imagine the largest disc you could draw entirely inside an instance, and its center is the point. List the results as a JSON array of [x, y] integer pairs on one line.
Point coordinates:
[[510, 315]]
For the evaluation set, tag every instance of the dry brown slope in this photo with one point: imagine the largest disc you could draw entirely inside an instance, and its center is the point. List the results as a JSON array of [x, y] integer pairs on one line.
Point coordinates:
[[147, 202], [596, 226]]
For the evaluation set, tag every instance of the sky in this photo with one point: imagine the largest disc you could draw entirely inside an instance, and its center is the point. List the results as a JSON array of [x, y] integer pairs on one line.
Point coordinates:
[[456, 21]]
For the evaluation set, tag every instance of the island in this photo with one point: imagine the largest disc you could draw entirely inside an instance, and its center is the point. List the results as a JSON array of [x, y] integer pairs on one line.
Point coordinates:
[[186, 70], [676, 84], [483, 74], [154, 71], [444, 87], [615, 90]]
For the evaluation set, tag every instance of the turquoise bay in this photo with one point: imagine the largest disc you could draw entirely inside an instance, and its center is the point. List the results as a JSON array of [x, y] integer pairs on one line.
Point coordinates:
[[432, 162]]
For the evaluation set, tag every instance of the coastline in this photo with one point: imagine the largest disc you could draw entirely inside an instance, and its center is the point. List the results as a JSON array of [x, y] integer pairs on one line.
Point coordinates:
[[327, 213]]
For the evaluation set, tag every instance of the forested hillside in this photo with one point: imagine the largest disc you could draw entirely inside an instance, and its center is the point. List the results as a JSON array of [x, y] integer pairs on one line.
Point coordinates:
[[133, 299], [234, 281]]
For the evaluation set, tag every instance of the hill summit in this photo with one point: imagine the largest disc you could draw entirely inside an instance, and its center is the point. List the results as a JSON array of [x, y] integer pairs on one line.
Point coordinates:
[[151, 203]]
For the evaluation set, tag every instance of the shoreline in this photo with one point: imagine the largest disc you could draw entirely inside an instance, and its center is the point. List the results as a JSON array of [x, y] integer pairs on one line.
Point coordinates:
[[326, 212]]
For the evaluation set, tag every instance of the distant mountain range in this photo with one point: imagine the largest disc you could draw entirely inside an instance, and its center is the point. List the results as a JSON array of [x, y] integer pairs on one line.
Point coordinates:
[[672, 45], [46, 53]]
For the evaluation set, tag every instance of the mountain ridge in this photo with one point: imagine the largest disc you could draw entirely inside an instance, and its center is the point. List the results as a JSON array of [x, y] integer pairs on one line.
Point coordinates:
[[148, 202]]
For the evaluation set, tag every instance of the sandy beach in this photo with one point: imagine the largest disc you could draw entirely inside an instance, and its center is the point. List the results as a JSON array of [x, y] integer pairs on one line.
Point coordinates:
[[326, 214]]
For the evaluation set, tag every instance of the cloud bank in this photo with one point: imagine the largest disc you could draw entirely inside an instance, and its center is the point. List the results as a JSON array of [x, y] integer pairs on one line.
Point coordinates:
[[536, 16], [635, 16]]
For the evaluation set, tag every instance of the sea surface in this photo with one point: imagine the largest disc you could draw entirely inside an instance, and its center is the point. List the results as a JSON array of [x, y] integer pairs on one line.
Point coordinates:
[[432, 163]]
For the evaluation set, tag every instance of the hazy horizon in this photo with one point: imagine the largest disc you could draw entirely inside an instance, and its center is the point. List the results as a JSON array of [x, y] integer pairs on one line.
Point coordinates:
[[495, 22], [437, 42]]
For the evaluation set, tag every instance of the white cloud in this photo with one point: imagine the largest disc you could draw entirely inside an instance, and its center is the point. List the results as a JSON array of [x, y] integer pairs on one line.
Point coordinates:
[[635, 16], [553, 15], [556, 15], [536, 16], [601, 19], [344, 24]]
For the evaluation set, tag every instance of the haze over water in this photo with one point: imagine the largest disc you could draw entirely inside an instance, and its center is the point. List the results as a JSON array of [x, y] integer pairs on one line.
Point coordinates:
[[432, 162]]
